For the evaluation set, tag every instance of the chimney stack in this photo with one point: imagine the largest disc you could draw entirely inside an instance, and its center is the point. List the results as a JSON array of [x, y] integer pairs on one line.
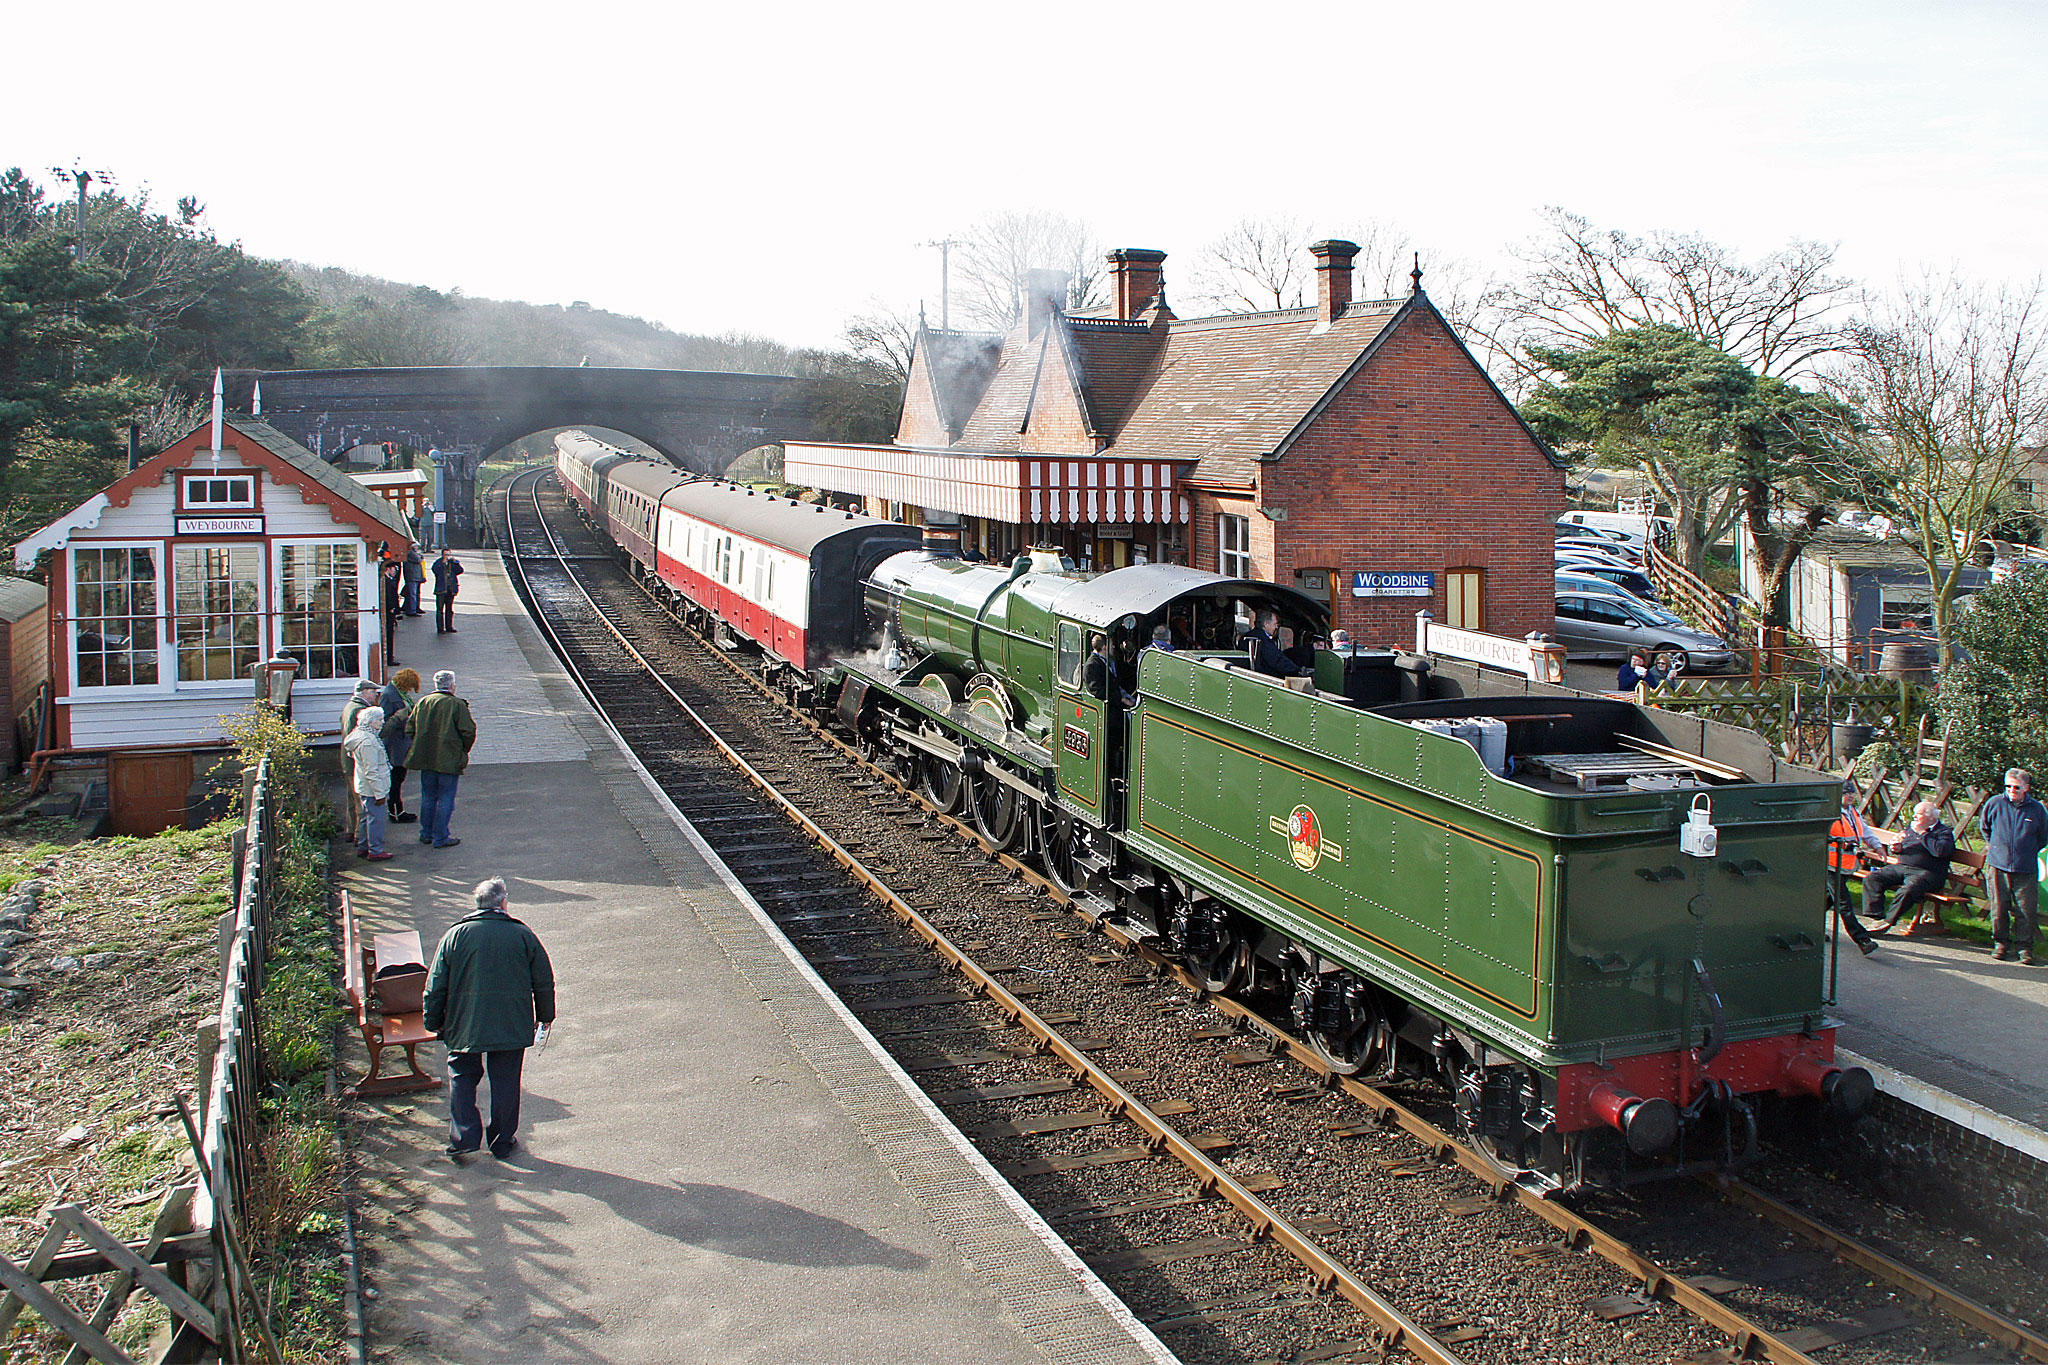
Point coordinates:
[[1045, 293], [1135, 279], [1333, 277]]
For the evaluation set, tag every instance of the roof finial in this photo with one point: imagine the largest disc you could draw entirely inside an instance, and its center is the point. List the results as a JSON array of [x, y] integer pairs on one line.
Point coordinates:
[[921, 325], [1415, 275]]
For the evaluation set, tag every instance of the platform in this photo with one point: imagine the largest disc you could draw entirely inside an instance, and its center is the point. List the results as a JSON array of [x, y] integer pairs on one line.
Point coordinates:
[[1953, 1031], [721, 1165]]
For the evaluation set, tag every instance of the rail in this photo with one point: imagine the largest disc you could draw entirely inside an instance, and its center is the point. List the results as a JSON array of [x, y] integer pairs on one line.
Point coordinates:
[[1749, 1340]]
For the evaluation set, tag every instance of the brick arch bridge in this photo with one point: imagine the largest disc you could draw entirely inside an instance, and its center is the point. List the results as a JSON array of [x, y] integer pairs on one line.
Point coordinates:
[[702, 420]]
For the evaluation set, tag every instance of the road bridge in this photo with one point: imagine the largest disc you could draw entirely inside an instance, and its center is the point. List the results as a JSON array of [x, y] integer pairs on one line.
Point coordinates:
[[701, 420]]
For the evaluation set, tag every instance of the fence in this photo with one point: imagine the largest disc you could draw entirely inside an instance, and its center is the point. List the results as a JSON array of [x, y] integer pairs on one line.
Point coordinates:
[[192, 1223], [1802, 714]]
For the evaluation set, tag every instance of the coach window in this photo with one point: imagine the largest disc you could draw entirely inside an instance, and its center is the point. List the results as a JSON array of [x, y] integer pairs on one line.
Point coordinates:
[[318, 608], [1233, 546], [1070, 654], [113, 610], [217, 598]]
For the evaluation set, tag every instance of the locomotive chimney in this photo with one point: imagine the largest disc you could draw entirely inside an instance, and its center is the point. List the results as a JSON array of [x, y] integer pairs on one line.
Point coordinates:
[[1136, 278], [1333, 277]]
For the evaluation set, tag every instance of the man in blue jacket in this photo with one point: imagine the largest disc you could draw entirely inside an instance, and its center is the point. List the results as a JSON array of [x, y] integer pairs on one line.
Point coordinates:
[[490, 985], [2015, 829]]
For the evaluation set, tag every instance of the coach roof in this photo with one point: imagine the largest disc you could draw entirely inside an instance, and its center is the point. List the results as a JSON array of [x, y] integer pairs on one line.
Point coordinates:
[[793, 526]]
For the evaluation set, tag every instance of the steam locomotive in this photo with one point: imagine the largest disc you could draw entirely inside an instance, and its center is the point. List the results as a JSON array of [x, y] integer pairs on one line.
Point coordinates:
[[1435, 868]]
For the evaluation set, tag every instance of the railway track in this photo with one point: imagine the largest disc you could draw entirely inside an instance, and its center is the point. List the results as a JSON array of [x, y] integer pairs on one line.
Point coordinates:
[[1216, 1285]]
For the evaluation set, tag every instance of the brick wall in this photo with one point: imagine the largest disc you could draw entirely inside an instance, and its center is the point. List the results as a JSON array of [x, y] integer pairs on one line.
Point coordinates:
[[1419, 464]]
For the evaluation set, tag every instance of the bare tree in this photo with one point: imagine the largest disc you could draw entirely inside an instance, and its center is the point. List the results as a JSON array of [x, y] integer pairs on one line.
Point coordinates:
[[1263, 264], [1952, 386], [883, 336], [1779, 313], [989, 271]]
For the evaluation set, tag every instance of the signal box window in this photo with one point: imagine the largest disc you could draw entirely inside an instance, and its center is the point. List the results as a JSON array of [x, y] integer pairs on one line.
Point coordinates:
[[1070, 654], [1465, 599], [113, 610], [217, 595], [1234, 546], [317, 609], [219, 492]]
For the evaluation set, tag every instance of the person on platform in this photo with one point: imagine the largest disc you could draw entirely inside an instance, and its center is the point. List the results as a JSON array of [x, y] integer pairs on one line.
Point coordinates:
[[442, 734], [397, 698], [1340, 641], [2015, 829], [369, 773], [1637, 673], [1264, 645], [364, 695], [1099, 676], [415, 574], [1919, 866], [391, 577], [490, 996], [447, 576], [1849, 841]]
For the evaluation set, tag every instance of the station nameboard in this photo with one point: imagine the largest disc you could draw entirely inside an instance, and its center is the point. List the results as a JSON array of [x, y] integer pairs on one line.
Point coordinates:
[[220, 526], [1420, 583]]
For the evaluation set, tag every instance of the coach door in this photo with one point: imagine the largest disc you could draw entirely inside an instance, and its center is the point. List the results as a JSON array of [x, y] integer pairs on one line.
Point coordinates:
[[1080, 729]]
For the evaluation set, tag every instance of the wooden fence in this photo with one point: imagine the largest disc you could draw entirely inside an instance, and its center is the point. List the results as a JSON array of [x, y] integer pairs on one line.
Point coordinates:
[[193, 1261]]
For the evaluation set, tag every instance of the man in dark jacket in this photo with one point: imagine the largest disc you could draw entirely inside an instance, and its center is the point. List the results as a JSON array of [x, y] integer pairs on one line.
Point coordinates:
[[447, 582], [1267, 657], [490, 995], [1100, 677], [2015, 829], [1920, 859], [415, 574], [442, 733]]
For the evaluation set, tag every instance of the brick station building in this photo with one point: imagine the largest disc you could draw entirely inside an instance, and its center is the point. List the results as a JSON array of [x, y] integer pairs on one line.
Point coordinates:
[[1354, 449]]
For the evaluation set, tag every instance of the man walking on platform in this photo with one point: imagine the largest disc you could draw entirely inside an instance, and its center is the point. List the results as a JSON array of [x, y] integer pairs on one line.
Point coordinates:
[[490, 996], [447, 572], [443, 733], [2015, 829]]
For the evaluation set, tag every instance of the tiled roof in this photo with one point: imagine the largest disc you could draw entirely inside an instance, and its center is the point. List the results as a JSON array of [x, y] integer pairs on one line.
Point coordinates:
[[959, 365], [1229, 390], [1112, 359], [1028, 365], [341, 485]]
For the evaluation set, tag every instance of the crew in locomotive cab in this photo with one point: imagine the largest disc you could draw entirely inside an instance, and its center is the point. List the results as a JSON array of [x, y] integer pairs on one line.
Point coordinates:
[[1162, 638], [1100, 676], [1267, 656]]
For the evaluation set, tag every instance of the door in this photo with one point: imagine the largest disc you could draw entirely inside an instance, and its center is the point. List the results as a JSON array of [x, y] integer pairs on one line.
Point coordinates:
[[146, 792], [1078, 728], [1465, 599]]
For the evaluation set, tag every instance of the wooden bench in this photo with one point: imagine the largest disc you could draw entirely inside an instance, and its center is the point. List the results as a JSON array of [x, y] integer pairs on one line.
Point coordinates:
[[388, 1010], [1965, 883]]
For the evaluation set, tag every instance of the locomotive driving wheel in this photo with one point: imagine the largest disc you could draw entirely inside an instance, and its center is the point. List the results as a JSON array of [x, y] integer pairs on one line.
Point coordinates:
[[1061, 841], [1342, 1019], [1210, 941], [999, 812], [942, 783]]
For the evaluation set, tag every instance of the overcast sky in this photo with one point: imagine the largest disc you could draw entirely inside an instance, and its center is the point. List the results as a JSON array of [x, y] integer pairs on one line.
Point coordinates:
[[771, 167]]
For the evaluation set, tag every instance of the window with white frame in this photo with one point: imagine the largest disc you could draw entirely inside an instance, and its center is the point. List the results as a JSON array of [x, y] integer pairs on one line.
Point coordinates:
[[217, 603], [113, 616], [319, 602], [218, 492], [1233, 546]]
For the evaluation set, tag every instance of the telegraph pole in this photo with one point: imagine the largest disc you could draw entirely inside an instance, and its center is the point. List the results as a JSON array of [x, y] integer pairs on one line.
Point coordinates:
[[84, 180], [945, 247]]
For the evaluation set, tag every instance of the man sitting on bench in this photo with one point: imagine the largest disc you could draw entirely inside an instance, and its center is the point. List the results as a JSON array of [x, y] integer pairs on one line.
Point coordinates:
[[1919, 866]]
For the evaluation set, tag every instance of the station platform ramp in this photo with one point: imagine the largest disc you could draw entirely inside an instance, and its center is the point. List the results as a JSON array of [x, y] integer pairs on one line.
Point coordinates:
[[719, 1164]]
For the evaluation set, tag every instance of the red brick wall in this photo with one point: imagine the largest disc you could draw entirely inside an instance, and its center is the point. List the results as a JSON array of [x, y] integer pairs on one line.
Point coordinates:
[[1418, 465]]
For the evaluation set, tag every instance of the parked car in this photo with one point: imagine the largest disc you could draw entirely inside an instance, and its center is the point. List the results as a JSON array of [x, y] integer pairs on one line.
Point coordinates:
[[1596, 625], [1627, 539], [1639, 526], [1610, 549], [1592, 559], [1573, 580], [1635, 580]]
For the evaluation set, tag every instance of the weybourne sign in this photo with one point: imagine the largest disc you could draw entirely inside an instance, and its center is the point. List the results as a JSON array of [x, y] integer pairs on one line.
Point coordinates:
[[1367, 583], [220, 526]]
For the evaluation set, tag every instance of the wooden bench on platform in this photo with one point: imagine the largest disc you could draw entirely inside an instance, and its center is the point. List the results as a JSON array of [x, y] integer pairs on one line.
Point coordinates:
[[387, 1008], [1965, 883]]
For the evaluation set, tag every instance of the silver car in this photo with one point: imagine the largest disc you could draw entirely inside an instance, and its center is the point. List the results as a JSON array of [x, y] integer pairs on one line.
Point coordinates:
[[1599, 625]]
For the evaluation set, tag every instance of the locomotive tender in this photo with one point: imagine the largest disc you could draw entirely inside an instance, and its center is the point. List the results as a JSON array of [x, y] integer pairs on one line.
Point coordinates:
[[1423, 858]]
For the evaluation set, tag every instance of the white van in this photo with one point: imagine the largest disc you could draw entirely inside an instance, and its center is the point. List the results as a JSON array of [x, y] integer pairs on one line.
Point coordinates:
[[1636, 527]]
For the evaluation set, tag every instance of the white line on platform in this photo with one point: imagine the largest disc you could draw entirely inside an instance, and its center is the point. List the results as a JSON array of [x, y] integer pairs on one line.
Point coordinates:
[[1963, 1113]]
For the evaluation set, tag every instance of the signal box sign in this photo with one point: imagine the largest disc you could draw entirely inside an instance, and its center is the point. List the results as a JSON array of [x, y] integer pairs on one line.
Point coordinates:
[[1416, 583], [220, 526]]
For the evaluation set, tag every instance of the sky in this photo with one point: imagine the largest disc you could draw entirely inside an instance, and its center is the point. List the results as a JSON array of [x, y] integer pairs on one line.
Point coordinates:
[[775, 168]]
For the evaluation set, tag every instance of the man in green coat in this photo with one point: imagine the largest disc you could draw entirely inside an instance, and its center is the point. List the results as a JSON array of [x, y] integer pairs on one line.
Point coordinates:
[[442, 733], [490, 995]]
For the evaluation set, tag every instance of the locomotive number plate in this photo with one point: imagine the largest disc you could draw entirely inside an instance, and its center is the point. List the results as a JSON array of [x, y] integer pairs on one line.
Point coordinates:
[[1076, 740]]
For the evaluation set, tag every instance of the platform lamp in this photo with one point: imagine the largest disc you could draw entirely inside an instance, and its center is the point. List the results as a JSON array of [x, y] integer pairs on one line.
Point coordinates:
[[273, 682]]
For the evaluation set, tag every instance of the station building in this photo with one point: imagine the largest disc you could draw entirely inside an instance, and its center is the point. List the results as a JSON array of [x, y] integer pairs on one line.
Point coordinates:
[[1354, 450], [169, 585]]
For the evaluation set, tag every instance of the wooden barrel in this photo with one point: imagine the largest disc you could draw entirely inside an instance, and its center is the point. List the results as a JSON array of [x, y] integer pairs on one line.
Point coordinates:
[[1913, 660]]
